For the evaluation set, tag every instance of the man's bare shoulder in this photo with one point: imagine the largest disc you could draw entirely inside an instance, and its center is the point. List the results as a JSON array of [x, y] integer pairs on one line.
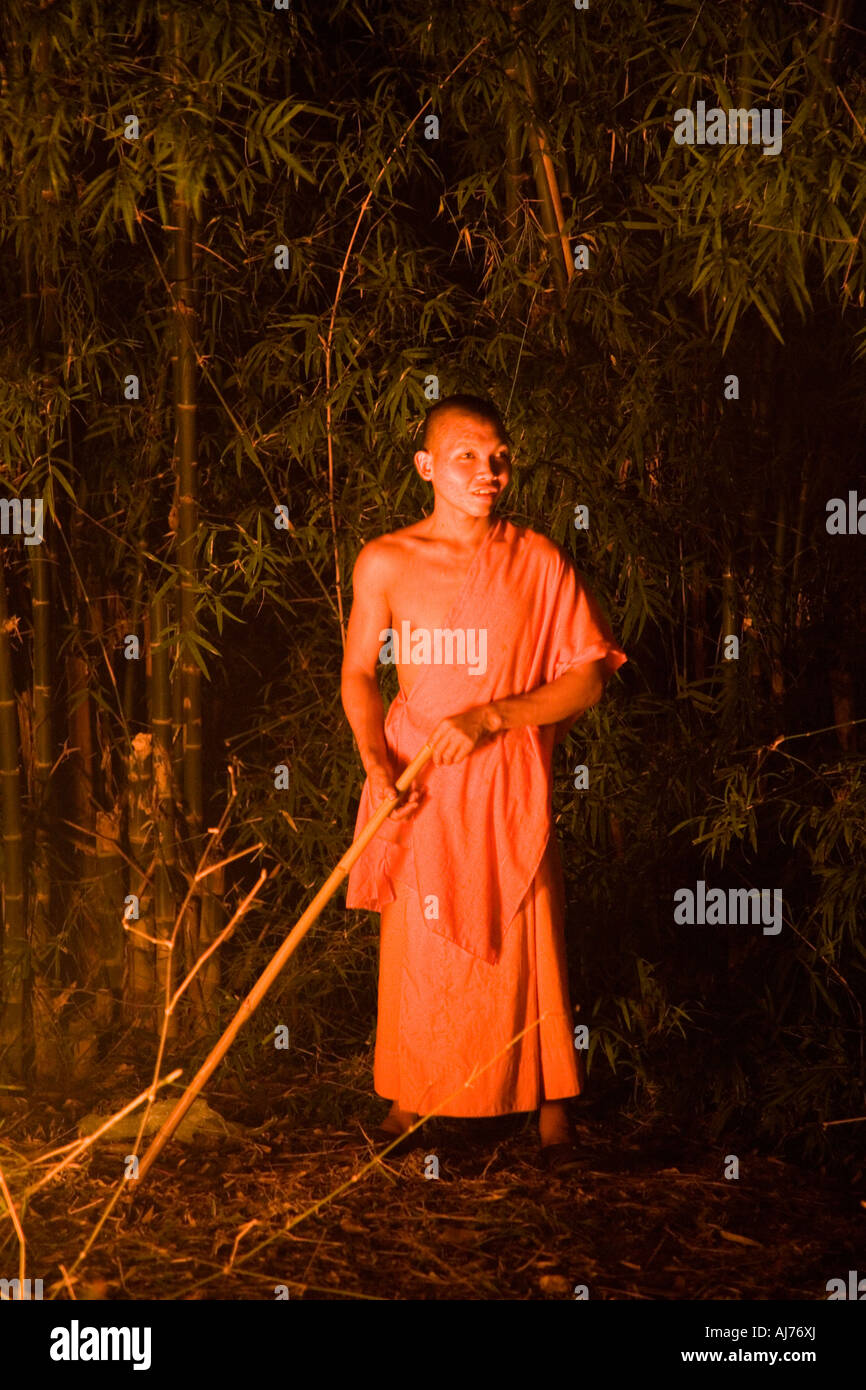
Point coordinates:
[[378, 558]]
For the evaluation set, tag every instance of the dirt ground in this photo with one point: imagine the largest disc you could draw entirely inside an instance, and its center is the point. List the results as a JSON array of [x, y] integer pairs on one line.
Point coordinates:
[[301, 1203]]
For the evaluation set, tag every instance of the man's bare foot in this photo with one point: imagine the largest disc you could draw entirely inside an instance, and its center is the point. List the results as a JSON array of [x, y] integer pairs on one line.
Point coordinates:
[[553, 1123], [397, 1121]]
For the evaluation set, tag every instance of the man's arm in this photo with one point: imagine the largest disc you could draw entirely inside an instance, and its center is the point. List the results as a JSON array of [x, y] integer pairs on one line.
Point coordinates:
[[561, 700], [359, 686]]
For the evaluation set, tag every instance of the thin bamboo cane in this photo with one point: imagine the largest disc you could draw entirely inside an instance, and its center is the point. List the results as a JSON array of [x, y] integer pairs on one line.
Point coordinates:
[[289, 946]]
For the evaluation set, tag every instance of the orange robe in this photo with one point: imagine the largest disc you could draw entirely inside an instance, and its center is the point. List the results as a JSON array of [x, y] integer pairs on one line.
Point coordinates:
[[470, 887]]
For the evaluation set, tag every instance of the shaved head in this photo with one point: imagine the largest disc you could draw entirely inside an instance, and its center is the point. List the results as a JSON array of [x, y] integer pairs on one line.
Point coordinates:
[[459, 404]]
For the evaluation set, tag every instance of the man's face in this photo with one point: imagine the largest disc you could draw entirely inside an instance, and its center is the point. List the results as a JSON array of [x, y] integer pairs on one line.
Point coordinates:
[[467, 461]]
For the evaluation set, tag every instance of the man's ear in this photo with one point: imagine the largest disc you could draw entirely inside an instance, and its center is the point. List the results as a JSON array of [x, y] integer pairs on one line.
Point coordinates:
[[424, 464]]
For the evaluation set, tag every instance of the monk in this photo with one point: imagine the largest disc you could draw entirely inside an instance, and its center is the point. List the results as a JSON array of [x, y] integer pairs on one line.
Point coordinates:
[[499, 647]]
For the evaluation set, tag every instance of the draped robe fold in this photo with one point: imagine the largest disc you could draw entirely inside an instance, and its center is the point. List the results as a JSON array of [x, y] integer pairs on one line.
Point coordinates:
[[470, 886]]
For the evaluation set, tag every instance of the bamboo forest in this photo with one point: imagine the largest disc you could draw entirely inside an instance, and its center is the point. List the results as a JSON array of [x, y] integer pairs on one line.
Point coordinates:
[[269, 269]]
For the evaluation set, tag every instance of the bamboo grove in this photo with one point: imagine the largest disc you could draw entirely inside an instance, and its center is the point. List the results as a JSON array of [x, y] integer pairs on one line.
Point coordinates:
[[236, 252]]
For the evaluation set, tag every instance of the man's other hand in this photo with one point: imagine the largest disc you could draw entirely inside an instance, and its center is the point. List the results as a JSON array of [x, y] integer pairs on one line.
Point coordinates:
[[454, 738]]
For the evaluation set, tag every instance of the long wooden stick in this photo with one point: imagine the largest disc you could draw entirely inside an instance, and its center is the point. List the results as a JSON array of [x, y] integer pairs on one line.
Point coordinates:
[[291, 943]]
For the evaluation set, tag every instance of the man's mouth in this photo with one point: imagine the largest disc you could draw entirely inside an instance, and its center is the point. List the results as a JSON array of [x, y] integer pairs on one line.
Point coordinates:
[[485, 491]]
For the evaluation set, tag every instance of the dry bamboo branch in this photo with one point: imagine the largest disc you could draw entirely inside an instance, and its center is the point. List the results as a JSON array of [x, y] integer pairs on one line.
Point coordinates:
[[79, 1146], [223, 936], [289, 946]]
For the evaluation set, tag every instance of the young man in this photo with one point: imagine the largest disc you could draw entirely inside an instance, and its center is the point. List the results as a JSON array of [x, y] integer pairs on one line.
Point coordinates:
[[499, 647]]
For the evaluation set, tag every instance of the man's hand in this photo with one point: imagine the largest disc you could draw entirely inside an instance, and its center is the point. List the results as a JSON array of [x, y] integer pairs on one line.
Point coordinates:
[[454, 738], [382, 786]]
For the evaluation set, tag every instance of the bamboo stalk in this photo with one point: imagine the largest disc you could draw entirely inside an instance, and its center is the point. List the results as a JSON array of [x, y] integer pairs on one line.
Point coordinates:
[[186, 463], [697, 600], [42, 330], [166, 848], [800, 539], [82, 757], [43, 747], [176, 749], [513, 180], [129, 675], [547, 186], [513, 169], [13, 962], [548, 167], [777, 620], [833, 16], [140, 975], [197, 921], [729, 610], [40, 588], [108, 901], [287, 949]]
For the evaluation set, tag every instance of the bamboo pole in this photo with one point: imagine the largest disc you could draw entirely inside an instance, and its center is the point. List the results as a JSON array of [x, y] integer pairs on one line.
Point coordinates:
[[289, 946]]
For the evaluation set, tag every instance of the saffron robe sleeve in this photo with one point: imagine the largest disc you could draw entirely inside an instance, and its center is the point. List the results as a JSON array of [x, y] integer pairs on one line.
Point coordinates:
[[476, 841]]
